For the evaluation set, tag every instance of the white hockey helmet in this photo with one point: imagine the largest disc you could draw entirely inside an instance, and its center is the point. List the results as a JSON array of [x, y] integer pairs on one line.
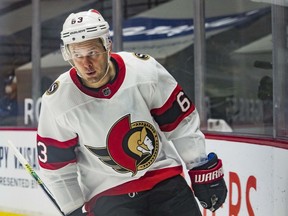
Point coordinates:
[[83, 26]]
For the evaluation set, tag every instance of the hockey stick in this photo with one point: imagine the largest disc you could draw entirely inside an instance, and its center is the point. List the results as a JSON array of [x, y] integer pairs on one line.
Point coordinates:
[[30, 170]]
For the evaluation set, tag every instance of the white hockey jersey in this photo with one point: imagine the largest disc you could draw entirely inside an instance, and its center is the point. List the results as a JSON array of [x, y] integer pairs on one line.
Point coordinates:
[[116, 139]]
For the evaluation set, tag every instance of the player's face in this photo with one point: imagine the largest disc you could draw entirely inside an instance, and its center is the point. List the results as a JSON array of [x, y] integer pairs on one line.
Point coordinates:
[[148, 143], [91, 61]]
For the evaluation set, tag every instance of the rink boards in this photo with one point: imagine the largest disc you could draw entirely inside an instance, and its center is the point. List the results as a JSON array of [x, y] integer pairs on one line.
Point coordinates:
[[255, 172]]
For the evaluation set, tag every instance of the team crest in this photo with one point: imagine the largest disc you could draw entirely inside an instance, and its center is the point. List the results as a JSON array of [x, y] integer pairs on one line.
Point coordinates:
[[53, 88], [131, 147]]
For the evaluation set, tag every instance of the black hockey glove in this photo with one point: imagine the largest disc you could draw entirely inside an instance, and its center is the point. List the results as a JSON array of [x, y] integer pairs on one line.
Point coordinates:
[[77, 212], [208, 183]]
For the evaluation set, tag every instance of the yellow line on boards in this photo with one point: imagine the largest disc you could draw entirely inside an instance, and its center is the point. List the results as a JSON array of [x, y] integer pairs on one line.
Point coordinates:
[[10, 214]]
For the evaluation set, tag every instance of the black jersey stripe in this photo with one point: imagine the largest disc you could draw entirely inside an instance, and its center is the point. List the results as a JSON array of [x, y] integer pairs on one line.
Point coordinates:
[[53, 154], [171, 113]]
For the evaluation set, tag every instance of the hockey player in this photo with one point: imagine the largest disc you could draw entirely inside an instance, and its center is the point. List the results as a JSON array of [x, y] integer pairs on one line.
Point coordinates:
[[106, 128]]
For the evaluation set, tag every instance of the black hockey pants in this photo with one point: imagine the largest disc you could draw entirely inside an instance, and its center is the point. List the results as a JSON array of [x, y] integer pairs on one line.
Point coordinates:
[[172, 197]]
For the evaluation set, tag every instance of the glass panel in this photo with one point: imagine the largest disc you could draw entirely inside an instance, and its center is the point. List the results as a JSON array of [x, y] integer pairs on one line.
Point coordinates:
[[238, 52], [280, 65], [239, 67], [15, 50]]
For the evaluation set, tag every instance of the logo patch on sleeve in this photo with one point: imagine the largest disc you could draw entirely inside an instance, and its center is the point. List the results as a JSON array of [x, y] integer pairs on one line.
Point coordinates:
[[142, 56], [53, 88]]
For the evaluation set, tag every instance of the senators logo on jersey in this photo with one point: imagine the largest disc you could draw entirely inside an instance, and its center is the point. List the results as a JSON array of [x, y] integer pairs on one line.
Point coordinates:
[[53, 88], [131, 147]]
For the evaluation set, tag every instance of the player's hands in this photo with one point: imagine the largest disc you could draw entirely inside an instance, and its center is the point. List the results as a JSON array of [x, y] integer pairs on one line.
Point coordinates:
[[77, 212], [208, 183]]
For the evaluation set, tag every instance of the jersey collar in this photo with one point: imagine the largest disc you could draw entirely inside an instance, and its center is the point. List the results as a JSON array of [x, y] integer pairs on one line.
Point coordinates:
[[109, 89]]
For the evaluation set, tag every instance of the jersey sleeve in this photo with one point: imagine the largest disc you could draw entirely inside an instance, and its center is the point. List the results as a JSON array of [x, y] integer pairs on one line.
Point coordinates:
[[178, 119], [56, 147]]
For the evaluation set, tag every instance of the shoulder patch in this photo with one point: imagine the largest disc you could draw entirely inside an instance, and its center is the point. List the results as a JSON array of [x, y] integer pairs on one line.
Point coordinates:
[[142, 56], [53, 88]]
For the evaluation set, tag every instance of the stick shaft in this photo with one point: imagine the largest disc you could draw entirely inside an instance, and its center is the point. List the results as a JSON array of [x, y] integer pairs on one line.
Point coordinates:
[[31, 171]]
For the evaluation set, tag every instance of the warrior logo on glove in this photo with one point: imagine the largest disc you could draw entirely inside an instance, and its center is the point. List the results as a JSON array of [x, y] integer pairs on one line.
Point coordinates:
[[135, 146], [208, 183], [208, 176]]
